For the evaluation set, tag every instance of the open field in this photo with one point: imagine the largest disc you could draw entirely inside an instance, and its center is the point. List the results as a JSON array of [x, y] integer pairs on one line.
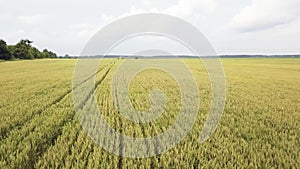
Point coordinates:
[[260, 126]]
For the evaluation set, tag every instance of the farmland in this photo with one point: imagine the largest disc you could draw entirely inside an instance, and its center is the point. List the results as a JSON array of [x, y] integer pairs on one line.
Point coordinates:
[[259, 128]]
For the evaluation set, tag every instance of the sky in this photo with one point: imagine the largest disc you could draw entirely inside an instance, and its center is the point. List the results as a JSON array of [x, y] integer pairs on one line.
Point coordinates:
[[232, 26]]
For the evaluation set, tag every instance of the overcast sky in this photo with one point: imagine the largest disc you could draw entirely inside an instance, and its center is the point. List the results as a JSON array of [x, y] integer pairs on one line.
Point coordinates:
[[232, 26]]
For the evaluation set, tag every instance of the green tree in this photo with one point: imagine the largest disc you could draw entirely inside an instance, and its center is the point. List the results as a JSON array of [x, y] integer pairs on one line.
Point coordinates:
[[22, 49], [11, 49], [49, 54], [4, 52], [52, 54], [35, 53], [46, 53]]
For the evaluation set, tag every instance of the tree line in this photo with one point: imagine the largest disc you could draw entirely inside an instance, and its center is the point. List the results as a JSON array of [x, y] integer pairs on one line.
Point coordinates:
[[23, 50]]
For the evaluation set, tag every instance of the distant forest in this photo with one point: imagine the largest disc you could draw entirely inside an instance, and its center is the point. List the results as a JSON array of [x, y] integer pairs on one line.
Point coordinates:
[[23, 50]]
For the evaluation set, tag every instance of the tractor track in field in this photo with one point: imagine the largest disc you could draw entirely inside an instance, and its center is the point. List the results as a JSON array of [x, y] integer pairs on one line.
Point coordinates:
[[120, 158], [90, 93], [5, 131], [32, 161], [84, 102]]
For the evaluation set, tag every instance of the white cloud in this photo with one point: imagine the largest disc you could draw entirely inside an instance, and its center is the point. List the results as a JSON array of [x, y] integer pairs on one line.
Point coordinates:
[[34, 19], [84, 30], [183, 9], [187, 8], [264, 14]]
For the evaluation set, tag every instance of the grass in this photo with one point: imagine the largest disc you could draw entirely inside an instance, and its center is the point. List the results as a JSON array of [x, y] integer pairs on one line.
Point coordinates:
[[259, 128]]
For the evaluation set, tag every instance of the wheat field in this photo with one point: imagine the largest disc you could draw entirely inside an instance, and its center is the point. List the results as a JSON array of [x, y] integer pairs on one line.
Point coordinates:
[[259, 128]]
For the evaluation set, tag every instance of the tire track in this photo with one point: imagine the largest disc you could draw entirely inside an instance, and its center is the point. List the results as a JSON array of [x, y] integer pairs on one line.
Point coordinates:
[[33, 162], [5, 131], [56, 154], [37, 152], [120, 158], [73, 117], [90, 93]]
